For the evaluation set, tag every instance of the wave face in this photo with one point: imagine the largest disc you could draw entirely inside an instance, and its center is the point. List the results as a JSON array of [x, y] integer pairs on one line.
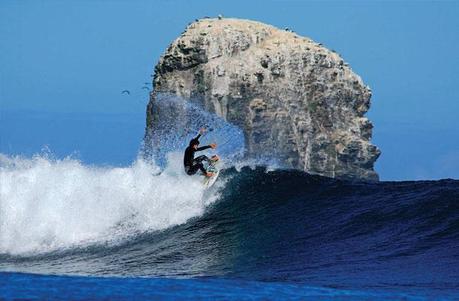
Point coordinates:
[[283, 226]]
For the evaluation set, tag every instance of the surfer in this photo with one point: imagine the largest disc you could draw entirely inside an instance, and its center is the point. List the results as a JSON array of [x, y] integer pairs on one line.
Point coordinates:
[[192, 164]]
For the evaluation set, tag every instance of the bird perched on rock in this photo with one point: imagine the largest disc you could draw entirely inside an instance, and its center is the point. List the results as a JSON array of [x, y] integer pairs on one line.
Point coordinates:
[[220, 17]]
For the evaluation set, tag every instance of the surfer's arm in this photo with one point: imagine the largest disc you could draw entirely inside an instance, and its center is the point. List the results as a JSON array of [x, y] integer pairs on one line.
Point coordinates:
[[203, 148], [202, 131], [212, 145]]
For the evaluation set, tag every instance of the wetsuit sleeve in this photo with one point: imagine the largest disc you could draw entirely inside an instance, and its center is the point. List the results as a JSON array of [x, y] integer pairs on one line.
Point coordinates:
[[197, 137], [203, 148]]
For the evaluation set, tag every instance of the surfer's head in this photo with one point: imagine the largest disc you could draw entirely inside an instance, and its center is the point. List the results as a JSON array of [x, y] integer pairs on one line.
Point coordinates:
[[194, 143]]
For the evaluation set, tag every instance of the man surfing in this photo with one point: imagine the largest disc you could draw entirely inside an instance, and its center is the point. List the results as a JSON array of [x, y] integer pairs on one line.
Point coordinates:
[[192, 164]]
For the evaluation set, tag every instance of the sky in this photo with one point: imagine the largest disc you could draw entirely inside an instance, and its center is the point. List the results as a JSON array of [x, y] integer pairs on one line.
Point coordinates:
[[63, 65]]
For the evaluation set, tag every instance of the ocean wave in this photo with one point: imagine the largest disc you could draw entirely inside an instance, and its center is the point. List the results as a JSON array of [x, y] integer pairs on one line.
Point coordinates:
[[259, 224], [49, 204]]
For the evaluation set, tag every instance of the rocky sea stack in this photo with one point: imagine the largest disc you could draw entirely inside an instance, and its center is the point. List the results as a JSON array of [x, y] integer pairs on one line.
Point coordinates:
[[290, 95]]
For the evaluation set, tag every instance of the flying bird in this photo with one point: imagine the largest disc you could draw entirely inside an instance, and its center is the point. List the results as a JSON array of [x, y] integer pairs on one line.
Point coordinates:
[[126, 92], [145, 88]]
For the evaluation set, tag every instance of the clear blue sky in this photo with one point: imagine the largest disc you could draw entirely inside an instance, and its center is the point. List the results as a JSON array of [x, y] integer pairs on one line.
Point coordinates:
[[64, 63]]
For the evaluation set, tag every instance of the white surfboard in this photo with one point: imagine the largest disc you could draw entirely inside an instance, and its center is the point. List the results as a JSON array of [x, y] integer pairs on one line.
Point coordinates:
[[209, 181]]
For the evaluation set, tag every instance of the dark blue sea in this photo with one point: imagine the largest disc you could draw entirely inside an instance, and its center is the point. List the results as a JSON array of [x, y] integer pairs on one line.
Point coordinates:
[[256, 235]]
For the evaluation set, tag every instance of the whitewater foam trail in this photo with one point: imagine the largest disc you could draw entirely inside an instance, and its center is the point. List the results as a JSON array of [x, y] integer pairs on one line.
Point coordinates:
[[50, 204]]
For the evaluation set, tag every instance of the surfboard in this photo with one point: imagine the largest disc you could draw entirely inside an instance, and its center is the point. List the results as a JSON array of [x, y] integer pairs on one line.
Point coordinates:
[[209, 181]]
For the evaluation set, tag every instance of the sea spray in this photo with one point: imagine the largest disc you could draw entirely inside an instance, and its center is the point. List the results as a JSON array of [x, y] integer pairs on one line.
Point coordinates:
[[178, 120], [50, 204]]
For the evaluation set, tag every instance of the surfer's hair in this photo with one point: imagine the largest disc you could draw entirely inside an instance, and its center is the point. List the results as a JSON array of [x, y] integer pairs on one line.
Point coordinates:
[[194, 142]]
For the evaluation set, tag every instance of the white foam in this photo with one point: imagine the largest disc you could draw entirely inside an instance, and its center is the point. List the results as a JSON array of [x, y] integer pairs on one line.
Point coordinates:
[[48, 204]]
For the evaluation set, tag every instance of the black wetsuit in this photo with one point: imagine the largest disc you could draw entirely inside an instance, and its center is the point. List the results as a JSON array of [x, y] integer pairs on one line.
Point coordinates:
[[192, 164]]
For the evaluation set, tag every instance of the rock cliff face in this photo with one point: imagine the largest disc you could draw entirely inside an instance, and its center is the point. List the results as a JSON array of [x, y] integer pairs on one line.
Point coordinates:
[[290, 95]]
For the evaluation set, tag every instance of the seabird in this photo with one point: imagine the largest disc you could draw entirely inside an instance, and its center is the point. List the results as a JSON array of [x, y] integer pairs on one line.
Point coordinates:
[[126, 92]]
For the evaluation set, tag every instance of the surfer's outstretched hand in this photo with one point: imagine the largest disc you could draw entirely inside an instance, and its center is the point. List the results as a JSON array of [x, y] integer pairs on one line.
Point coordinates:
[[213, 145], [202, 131]]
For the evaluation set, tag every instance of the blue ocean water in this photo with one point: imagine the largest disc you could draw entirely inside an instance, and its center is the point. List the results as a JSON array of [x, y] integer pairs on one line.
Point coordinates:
[[269, 235], [30, 287], [76, 231]]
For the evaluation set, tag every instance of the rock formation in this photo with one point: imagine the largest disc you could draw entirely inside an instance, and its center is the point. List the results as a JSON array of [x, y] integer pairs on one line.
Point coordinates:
[[291, 96]]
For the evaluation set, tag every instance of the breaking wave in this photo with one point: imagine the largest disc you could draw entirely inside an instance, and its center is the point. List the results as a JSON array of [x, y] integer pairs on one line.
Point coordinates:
[[49, 204]]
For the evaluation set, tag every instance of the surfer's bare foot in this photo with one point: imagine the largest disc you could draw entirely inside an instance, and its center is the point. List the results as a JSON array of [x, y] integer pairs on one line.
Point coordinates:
[[209, 174]]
